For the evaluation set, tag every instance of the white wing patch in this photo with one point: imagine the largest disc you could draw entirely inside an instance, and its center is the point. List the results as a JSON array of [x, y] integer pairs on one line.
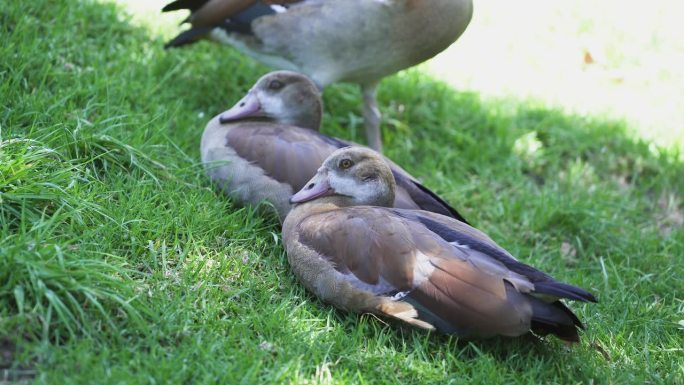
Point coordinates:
[[422, 270], [421, 273], [460, 246]]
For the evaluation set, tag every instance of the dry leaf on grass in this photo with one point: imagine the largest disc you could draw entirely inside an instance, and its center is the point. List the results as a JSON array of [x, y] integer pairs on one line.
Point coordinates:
[[671, 215], [266, 346], [569, 254]]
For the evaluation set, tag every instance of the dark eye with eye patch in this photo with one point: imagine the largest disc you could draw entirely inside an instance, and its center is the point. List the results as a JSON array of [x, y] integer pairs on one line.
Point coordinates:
[[346, 163], [275, 85]]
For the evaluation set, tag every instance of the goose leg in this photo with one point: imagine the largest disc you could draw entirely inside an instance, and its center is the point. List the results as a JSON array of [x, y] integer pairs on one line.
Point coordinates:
[[371, 116]]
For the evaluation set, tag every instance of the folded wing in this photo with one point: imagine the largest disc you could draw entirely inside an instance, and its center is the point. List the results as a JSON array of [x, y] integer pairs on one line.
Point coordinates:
[[292, 155], [453, 287]]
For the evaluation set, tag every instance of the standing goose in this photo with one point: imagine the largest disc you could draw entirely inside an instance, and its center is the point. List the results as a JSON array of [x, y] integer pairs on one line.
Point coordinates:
[[268, 145], [357, 41], [350, 249]]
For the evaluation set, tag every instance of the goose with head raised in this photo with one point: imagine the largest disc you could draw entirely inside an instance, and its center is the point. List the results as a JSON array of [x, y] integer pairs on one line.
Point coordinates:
[[268, 145], [349, 248], [357, 41]]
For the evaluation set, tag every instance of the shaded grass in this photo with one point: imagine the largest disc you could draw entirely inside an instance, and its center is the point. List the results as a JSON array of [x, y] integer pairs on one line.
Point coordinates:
[[49, 274], [121, 263]]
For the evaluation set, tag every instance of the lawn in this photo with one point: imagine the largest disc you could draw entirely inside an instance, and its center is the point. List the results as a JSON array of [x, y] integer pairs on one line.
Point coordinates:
[[121, 263]]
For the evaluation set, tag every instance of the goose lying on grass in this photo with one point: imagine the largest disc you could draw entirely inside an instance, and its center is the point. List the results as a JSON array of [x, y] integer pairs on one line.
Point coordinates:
[[268, 145], [350, 248], [357, 41]]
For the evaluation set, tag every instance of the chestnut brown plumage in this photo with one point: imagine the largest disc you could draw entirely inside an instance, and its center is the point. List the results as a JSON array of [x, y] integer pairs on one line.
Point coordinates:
[[268, 145], [422, 268]]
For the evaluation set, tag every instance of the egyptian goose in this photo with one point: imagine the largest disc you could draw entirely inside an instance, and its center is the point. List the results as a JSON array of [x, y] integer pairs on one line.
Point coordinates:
[[348, 247], [357, 41], [268, 145]]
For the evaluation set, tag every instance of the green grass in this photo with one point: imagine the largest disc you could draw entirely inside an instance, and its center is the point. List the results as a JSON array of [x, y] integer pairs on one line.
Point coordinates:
[[120, 263]]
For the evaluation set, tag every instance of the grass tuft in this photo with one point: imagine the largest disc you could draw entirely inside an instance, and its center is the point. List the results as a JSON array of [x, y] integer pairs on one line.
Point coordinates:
[[35, 182]]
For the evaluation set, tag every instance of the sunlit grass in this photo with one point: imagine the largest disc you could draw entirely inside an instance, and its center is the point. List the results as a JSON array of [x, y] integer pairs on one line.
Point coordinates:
[[608, 58]]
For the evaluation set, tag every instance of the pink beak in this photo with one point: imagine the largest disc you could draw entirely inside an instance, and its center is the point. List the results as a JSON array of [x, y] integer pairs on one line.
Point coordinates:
[[317, 187], [249, 106]]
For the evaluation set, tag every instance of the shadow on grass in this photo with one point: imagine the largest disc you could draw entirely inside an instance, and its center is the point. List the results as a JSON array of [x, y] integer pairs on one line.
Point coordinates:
[[576, 196]]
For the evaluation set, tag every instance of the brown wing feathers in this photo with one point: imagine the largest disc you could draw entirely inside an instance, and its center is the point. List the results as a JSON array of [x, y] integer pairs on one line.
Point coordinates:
[[230, 15], [457, 307], [543, 283], [459, 294], [284, 153], [353, 246], [292, 155], [479, 308], [212, 12]]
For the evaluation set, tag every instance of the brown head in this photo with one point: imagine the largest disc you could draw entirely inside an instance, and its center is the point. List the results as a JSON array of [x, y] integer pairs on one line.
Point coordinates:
[[282, 97], [354, 176]]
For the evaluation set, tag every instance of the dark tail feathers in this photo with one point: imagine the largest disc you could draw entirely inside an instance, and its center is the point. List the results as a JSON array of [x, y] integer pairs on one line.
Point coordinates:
[[554, 318], [563, 290], [192, 5], [445, 206], [188, 37]]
